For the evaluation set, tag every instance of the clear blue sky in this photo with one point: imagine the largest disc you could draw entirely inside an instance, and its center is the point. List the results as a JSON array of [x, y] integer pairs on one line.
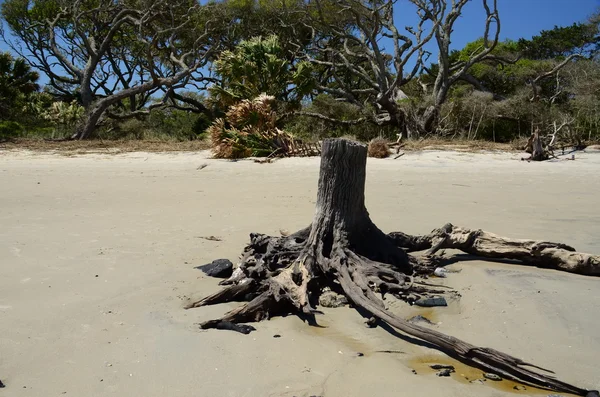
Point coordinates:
[[519, 18], [522, 18]]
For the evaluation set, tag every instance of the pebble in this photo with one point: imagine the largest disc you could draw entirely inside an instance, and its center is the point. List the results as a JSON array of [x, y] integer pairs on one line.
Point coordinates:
[[333, 300], [2, 385], [431, 302], [276, 336], [359, 354], [445, 372], [441, 366], [371, 323], [520, 387], [220, 268], [493, 377]]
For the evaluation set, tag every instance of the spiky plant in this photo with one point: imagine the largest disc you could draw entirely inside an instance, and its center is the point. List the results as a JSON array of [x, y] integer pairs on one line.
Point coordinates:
[[249, 129], [378, 148]]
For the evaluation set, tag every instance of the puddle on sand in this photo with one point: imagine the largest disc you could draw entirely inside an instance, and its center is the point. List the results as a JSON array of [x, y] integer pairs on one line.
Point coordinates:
[[430, 313], [465, 374]]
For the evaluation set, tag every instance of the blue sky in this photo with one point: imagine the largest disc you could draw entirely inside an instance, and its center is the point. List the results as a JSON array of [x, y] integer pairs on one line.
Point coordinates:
[[523, 18]]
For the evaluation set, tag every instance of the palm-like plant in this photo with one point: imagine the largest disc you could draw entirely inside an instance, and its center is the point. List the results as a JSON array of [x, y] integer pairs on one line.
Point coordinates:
[[17, 81], [258, 66]]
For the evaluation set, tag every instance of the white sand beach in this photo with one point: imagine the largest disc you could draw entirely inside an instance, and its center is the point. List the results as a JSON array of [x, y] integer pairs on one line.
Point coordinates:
[[97, 257]]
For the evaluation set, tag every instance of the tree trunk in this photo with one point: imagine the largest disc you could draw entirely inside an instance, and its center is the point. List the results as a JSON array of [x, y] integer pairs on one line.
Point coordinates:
[[535, 146], [341, 219], [429, 120], [344, 251], [538, 152], [89, 122]]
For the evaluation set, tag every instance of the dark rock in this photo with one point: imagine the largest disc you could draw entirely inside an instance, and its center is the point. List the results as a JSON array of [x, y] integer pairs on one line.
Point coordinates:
[[220, 268], [420, 319], [492, 377], [359, 354], [276, 336], [445, 372], [331, 299], [441, 366], [414, 371], [2, 385], [431, 302], [371, 323], [241, 328]]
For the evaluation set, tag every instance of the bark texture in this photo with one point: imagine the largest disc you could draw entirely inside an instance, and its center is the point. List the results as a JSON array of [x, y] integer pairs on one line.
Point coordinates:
[[344, 251]]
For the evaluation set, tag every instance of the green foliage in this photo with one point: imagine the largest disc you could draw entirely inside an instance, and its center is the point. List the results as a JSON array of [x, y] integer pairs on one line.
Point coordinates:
[[562, 41], [178, 124], [258, 66], [17, 83], [10, 130]]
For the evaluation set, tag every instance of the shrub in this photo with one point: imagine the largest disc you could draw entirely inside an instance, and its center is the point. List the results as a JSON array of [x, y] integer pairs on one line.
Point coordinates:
[[10, 130], [378, 148]]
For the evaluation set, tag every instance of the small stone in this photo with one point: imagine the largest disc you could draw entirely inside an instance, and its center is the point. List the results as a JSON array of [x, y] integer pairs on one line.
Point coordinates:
[[478, 381], [333, 300], [2, 385], [414, 371], [431, 302], [220, 268], [276, 336], [96, 275], [359, 354], [420, 319], [109, 365], [491, 376], [371, 323], [519, 387], [441, 366], [445, 372]]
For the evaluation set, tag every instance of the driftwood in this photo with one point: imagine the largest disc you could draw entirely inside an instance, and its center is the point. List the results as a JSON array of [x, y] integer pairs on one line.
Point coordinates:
[[343, 250]]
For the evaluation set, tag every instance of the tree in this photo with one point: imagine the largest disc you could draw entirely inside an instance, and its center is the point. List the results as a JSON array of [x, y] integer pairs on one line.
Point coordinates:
[[356, 67], [560, 42], [343, 250], [450, 71], [115, 55], [17, 82]]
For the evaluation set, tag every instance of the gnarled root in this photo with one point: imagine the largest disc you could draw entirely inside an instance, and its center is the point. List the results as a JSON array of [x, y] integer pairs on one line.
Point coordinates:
[[290, 283], [488, 245]]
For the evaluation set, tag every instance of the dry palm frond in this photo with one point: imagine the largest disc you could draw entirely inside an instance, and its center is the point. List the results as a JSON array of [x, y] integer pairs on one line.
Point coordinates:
[[249, 129], [379, 148]]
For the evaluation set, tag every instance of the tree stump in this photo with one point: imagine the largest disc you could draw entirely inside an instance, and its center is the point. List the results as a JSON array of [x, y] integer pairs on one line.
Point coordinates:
[[344, 251], [535, 146]]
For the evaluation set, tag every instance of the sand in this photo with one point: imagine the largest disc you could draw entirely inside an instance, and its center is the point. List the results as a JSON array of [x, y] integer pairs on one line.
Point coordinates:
[[97, 257]]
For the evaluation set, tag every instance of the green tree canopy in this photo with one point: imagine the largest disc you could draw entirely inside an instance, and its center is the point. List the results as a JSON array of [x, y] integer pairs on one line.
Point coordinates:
[[17, 82]]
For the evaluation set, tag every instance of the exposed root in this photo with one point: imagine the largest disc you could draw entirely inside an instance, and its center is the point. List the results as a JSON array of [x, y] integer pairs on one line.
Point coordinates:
[[282, 275], [488, 245], [344, 251]]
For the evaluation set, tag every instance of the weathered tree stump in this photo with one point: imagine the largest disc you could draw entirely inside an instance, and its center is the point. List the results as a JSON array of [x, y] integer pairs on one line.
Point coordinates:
[[343, 250], [535, 146]]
